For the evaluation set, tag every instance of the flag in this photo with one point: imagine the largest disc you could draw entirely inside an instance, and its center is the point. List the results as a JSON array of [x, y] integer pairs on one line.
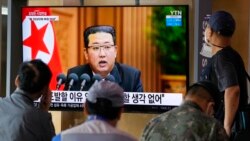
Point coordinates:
[[39, 40]]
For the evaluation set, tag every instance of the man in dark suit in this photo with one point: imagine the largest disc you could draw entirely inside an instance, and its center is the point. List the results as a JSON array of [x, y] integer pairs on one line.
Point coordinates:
[[100, 51]]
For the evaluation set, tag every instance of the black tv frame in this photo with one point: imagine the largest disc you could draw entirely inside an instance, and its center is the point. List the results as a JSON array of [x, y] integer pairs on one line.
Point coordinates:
[[14, 49], [14, 41]]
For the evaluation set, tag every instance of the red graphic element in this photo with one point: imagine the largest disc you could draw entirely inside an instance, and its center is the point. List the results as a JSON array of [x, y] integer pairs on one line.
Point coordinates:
[[55, 66], [36, 43], [35, 40]]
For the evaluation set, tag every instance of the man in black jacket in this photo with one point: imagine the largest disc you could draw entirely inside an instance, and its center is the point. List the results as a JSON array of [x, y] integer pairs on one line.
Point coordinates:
[[100, 51]]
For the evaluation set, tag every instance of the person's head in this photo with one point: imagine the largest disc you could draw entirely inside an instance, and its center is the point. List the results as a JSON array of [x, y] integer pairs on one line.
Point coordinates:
[[220, 26], [105, 99], [33, 77], [205, 94], [100, 48]]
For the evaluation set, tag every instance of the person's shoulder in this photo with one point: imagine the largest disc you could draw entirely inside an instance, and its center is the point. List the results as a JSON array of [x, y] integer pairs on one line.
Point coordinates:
[[82, 128], [236, 55], [3, 100], [127, 67], [98, 129], [154, 125], [37, 115], [127, 137], [215, 126], [228, 52], [159, 119], [227, 55], [124, 136], [79, 67]]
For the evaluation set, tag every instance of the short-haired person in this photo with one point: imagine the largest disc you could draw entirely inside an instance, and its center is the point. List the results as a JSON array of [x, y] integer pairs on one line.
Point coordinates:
[[104, 106], [100, 52], [226, 68], [19, 119], [191, 121]]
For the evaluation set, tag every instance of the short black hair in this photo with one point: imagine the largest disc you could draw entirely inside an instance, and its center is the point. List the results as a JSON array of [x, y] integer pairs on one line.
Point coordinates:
[[34, 75], [211, 88], [98, 28], [103, 108]]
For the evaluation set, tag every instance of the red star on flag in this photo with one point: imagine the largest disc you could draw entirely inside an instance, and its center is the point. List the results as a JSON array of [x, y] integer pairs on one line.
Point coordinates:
[[35, 40], [39, 42]]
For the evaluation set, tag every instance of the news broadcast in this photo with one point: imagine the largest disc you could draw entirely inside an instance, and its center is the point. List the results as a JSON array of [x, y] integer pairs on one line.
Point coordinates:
[[147, 54]]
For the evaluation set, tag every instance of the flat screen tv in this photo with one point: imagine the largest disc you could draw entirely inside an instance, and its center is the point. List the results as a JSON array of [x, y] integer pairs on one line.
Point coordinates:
[[153, 39]]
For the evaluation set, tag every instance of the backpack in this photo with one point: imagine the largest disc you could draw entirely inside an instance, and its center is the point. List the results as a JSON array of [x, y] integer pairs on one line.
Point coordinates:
[[242, 125]]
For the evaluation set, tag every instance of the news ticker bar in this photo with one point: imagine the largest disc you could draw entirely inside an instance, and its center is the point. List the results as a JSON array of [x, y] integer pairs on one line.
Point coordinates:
[[130, 98]]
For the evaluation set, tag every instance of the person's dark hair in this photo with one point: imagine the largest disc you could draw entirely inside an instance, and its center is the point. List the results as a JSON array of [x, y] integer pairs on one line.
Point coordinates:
[[34, 75], [222, 23], [98, 28], [103, 107], [212, 90]]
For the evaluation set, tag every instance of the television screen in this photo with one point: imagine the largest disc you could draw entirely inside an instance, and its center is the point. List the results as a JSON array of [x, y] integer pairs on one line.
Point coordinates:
[[152, 39]]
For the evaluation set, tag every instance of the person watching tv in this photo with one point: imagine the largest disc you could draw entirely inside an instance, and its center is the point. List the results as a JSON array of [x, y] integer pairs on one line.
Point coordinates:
[[103, 107]]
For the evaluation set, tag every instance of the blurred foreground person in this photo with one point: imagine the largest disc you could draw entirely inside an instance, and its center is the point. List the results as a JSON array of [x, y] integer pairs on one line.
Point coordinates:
[[191, 121], [104, 106], [19, 119]]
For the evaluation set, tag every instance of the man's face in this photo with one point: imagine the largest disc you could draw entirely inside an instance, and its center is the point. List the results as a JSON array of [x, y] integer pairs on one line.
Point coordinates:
[[101, 53]]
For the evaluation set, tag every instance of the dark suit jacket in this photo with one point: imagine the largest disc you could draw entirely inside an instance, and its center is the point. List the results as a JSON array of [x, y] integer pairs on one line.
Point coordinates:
[[127, 77]]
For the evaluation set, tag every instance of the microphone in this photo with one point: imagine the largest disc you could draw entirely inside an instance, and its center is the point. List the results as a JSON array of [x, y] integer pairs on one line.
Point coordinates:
[[84, 78], [61, 78], [110, 78], [73, 78], [96, 78]]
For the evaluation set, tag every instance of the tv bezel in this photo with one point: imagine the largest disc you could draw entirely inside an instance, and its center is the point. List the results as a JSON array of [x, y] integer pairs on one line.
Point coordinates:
[[15, 57]]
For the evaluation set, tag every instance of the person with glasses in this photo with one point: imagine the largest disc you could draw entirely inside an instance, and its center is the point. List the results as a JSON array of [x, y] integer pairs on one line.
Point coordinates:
[[100, 52]]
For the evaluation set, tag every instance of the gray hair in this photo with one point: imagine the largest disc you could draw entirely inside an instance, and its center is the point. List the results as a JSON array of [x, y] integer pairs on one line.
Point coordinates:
[[106, 90]]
